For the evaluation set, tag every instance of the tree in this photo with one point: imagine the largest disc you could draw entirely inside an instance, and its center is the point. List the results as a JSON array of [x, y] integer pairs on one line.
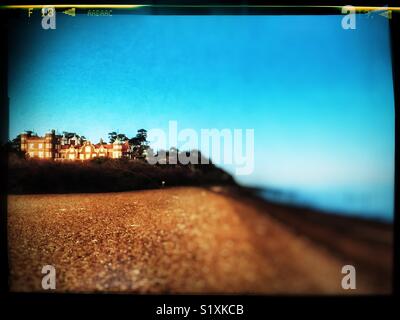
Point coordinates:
[[112, 136], [139, 144], [14, 146], [16, 143], [68, 135], [142, 135], [140, 138], [122, 137]]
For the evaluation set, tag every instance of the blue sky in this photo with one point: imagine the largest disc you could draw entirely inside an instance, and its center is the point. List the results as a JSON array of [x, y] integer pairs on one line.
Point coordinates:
[[319, 98]]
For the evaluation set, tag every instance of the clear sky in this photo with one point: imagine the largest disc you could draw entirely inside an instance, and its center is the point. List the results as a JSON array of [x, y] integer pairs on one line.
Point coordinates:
[[319, 98]]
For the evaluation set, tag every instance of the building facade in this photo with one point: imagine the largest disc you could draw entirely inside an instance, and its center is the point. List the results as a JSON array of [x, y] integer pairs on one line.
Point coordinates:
[[60, 147]]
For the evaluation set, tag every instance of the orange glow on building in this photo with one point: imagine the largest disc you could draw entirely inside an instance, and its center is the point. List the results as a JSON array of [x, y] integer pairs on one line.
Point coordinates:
[[58, 147]]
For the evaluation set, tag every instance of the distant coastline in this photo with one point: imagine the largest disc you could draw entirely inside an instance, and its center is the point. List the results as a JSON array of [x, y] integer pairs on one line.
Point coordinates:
[[353, 204]]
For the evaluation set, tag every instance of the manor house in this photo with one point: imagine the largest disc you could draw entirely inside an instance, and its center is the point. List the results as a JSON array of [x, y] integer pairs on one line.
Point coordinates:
[[60, 147]]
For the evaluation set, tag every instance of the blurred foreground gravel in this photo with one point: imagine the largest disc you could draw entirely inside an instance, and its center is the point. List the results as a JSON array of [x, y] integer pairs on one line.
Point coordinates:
[[178, 240]]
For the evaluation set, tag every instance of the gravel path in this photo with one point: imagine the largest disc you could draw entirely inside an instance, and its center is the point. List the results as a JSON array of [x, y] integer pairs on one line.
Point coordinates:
[[178, 240]]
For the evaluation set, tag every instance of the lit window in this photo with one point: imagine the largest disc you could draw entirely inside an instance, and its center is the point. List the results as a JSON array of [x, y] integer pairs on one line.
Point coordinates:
[[72, 156], [31, 145], [40, 146], [88, 149], [40, 154], [88, 156], [81, 156]]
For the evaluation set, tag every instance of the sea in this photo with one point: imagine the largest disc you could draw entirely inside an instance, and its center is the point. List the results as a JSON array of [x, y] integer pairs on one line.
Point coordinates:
[[369, 202]]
